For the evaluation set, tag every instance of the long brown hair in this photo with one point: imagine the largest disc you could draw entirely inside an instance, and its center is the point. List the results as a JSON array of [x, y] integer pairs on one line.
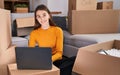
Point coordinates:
[[43, 7]]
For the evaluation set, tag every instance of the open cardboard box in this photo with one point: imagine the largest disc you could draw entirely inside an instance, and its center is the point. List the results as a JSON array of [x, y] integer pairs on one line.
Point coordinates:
[[89, 62]]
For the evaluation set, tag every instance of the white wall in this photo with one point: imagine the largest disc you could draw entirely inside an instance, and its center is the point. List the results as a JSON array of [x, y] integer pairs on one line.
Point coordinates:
[[116, 4], [58, 5], [53, 5], [34, 4], [43, 2]]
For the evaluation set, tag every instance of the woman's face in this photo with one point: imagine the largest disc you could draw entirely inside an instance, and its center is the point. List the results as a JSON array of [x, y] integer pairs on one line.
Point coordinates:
[[42, 17]]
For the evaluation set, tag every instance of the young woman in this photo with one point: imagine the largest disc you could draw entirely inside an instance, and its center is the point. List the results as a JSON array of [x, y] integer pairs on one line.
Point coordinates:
[[47, 34]]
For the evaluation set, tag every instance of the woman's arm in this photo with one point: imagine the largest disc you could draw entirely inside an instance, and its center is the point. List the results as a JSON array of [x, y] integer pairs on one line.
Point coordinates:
[[59, 45], [32, 41]]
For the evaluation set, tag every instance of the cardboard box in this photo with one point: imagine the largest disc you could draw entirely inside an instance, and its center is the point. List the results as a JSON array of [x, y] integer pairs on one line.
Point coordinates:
[[94, 21], [86, 4], [21, 10], [7, 57], [89, 62], [80, 5], [5, 29], [25, 22], [25, 25], [105, 5], [14, 71]]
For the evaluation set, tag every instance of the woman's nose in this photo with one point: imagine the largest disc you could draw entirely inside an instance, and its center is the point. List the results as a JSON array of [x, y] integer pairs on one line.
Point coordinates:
[[41, 18]]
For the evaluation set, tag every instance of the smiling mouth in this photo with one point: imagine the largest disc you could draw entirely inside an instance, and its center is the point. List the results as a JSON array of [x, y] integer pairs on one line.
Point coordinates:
[[44, 21]]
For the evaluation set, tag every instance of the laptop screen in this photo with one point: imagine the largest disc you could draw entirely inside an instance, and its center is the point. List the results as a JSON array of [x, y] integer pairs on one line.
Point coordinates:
[[33, 57]]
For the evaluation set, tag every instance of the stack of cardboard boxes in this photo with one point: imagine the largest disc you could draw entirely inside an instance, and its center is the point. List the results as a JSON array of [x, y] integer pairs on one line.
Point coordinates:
[[79, 5], [80, 12], [7, 53]]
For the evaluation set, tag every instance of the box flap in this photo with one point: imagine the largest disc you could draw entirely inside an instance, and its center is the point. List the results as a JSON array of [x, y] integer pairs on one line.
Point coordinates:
[[95, 47]]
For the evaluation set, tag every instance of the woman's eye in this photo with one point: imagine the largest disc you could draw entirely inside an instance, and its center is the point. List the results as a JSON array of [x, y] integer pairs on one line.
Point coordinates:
[[44, 15], [38, 16]]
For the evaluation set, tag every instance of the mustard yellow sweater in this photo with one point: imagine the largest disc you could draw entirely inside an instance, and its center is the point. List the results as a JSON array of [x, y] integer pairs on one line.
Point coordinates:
[[51, 37]]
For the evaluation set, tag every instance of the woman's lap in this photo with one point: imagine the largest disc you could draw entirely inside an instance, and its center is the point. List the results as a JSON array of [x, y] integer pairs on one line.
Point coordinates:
[[65, 65]]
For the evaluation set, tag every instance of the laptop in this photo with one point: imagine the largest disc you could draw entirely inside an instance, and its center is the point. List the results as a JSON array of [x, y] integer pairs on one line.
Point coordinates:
[[33, 58]]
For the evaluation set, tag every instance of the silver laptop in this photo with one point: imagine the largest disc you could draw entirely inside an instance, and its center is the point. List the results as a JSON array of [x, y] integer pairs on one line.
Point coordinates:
[[33, 58]]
